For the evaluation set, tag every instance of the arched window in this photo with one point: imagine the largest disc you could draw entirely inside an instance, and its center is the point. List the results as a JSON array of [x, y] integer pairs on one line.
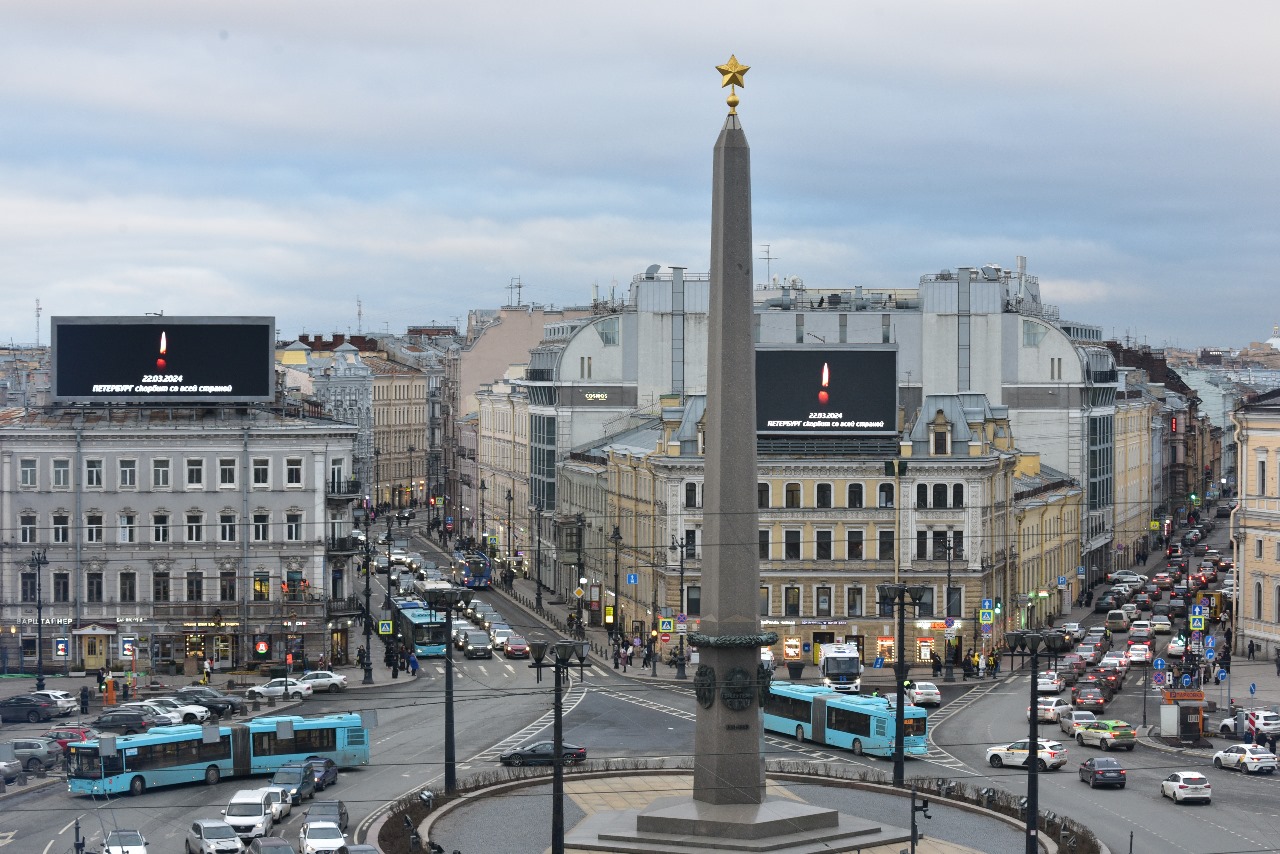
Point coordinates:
[[886, 494], [922, 495], [1257, 600], [855, 495], [939, 495], [957, 495], [691, 495], [762, 496], [823, 496], [793, 495]]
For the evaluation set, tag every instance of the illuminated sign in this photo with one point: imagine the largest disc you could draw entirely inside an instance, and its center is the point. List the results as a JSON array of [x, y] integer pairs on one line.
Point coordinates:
[[832, 391], [163, 359]]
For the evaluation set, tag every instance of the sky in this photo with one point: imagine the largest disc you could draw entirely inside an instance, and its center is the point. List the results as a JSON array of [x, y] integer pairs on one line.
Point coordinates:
[[349, 167]]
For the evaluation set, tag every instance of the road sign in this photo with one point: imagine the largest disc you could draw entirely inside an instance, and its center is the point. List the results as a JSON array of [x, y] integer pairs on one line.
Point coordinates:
[[1197, 637], [986, 616], [986, 629], [1186, 680], [1080, 571], [1197, 623], [633, 578], [680, 618], [949, 622], [950, 634], [1062, 582], [1157, 678], [1222, 674], [1204, 602], [1210, 641], [665, 638], [1209, 654], [1253, 687], [1197, 611], [1159, 664], [666, 624], [986, 604], [635, 642], [879, 662], [384, 627]]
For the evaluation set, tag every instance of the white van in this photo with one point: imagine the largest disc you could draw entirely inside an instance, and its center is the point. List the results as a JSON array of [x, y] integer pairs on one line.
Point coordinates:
[[250, 814]]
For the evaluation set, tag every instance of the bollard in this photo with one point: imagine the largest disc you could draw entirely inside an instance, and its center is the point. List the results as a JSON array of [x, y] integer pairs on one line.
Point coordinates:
[[41, 773], [2, 784], [271, 702], [257, 705], [22, 777], [231, 684]]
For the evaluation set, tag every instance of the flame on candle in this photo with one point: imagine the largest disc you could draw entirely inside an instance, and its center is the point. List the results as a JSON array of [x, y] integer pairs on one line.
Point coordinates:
[[164, 347], [823, 397]]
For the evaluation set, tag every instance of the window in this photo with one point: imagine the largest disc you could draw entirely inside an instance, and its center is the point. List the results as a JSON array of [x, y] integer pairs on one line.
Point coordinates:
[[693, 597], [27, 528], [195, 527], [764, 545], [128, 587], [953, 602], [957, 495], [691, 495], [62, 474], [792, 496], [957, 545], [1259, 489], [195, 473], [160, 474], [61, 587], [822, 601], [922, 495], [293, 472], [922, 545], [93, 528], [940, 443], [262, 472], [822, 545], [261, 587], [791, 545], [27, 474], [28, 592], [853, 600], [128, 473], [195, 586], [128, 529], [791, 601], [886, 495], [160, 528], [227, 472], [93, 474], [227, 586], [93, 587], [61, 528], [227, 527], [854, 546], [1257, 549], [939, 495], [885, 545], [690, 544], [823, 495], [764, 600], [1257, 600], [855, 495], [261, 527], [762, 496], [160, 587], [293, 527], [924, 605]]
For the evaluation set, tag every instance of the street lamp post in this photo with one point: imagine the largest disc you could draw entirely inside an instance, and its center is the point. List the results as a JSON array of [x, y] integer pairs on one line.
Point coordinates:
[[448, 600], [39, 560], [535, 513], [511, 554], [484, 547], [368, 610], [412, 494], [1031, 641], [949, 673], [897, 594], [563, 653], [616, 539], [581, 522], [678, 546], [653, 625]]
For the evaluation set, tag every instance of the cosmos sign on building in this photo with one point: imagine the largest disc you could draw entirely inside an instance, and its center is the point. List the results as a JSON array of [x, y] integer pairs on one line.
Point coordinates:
[[163, 359], [829, 391]]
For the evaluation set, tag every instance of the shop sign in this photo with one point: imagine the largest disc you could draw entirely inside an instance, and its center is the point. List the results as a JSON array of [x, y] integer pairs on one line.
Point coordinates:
[[47, 621], [777, 622], [792, 647], [1172, 695], [822, 622]]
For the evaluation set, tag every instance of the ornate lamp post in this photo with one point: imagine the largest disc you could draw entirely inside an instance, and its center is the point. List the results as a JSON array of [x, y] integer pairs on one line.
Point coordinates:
[[678, 546], [896, 596], [616, 539], [39, 560], [484, 548], [1053, 642], [448, 600], [511, 553], [949, 673], [368, 611], [563, 653], [535, 513], [581, 522]]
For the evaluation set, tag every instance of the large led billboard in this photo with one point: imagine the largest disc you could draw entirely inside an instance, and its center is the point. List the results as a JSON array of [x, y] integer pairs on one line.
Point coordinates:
[[157, 359], [828, 391]]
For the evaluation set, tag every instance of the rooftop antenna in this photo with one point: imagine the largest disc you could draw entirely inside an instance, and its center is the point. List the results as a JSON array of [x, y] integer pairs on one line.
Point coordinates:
[[768, 263], [37, 324], [359, 316], [514, 285]]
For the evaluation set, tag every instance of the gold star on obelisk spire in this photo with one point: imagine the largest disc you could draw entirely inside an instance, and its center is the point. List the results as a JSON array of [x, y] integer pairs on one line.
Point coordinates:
[[732, 73]]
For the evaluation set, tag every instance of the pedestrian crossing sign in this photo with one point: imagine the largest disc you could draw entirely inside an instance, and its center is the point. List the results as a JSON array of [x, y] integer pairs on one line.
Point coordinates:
[[986, 616], [1197, 624], [384, 627], [666, 624]]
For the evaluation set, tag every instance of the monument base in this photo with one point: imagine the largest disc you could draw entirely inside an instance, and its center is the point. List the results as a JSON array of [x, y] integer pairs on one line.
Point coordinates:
[[680, 824]]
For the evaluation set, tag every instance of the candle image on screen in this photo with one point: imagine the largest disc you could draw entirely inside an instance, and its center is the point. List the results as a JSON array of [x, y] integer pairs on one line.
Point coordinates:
[[164, 347], [823, 397]]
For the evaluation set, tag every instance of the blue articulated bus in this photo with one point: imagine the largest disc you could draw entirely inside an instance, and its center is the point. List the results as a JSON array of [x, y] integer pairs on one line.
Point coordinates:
[[425, 630], [189, 753], [473, 570], [855, 723]]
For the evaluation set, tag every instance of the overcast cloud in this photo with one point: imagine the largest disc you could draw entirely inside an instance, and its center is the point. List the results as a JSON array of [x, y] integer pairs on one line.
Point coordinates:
[[287, 158]]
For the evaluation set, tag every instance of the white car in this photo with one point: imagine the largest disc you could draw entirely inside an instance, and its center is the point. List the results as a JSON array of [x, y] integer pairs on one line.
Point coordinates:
[[1118, 659], [282, 687], [321, 836], [212, 836], [1051, 754], [1161, 625], [1254, 720], [1186, 786], [65, 702], [124, 842], [1049, 682], [1177, 647], [1070, 722], [924, 694], [281, 802], [191, 713], [1049, 709], [169, 716], [325, 680], [1140, 653], [1250, 758], [1075, 631]]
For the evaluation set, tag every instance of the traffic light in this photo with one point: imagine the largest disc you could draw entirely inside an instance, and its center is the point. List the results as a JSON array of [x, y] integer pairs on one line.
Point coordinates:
[[999, 606], [432, 501]]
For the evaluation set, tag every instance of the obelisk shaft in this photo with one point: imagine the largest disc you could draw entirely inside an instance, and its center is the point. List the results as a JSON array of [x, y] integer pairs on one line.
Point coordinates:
[[728, 764]]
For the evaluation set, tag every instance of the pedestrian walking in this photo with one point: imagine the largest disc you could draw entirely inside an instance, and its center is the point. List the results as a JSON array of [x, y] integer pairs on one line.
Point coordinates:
[[937, 664], [413, 664], [1278, 661], [1250, 649]]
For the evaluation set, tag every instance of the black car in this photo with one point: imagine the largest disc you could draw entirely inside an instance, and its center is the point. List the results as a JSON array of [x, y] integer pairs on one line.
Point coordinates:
[[126, 721], [543, 753], [215, 701], [326, 771], [477, 645], [25, 707], [406, 514], [1105, 603], [334, 811], [1102, 771]]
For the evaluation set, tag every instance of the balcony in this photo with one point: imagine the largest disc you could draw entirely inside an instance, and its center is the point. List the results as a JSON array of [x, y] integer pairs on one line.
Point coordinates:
[[230, 612], [349, 488], [344, 545], [346, 607], [540, 375]]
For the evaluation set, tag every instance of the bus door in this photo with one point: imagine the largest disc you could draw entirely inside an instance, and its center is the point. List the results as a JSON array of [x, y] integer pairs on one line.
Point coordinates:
[[241, 750], [819, 718]]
